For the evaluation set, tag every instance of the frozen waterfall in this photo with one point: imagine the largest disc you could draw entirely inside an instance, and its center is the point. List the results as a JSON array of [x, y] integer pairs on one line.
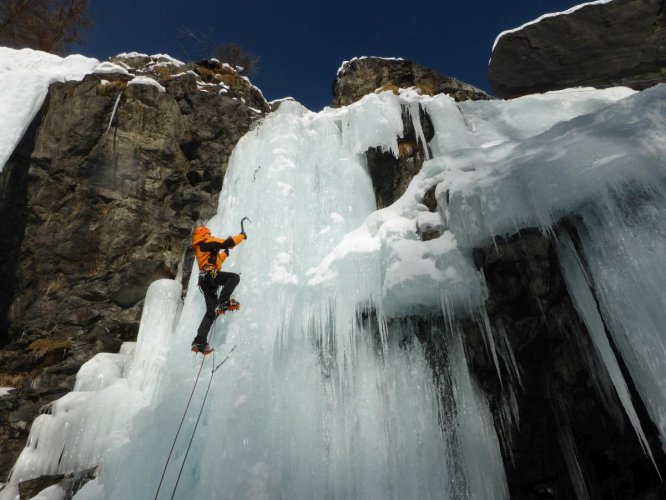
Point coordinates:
[[329, 394]]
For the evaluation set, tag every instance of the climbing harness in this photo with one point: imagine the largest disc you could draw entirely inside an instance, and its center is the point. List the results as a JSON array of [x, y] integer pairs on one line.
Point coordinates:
[[207, 270], [173, 445]]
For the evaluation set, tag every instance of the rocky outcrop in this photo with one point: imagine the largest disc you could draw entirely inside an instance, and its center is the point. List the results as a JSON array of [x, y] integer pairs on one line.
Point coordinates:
[[365, 75], [66, 484], [601, 45], [563, 432], [99, 201], [392, 174]]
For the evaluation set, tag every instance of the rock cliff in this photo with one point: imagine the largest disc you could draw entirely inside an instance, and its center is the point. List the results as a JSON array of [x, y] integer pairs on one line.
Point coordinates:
[[97, 202], [600, 45], [562, 437], [365, 75], [99, 199]]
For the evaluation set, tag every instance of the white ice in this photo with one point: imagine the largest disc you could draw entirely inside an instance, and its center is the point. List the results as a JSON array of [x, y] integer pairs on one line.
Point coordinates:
[[86, 424]]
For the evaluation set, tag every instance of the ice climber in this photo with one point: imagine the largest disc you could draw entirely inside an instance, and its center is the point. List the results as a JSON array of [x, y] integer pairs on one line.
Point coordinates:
[[211, 253]]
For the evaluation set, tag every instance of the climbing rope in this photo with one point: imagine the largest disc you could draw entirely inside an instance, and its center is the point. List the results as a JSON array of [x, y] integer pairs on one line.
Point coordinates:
[[196, 424], [187, 407], [179, 428], [224, 360]]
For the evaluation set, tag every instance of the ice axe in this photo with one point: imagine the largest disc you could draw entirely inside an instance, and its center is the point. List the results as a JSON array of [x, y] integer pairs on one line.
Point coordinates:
[[243, 227]]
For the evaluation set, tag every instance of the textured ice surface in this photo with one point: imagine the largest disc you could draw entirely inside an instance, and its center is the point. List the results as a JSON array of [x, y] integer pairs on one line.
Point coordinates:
[[329, 394], [78, 429], [322, 397]]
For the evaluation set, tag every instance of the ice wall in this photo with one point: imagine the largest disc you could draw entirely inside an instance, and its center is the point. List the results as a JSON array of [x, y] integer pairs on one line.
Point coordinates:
[[604, 170], [321, 398], [329, 394], [623, 242], [77, 430]]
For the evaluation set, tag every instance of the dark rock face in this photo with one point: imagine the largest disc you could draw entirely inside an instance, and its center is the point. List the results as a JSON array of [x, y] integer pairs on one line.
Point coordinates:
[[569, 436], [616, 43], [362, 76], [390, 175], [96, 205], [13, 209], [69, 484]]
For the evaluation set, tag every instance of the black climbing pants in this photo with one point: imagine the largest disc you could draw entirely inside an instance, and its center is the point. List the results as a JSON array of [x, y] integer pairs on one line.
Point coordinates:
[[209, 283]]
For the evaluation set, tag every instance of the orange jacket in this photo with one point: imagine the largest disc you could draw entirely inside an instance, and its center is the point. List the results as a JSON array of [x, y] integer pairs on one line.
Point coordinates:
[[212, 251]]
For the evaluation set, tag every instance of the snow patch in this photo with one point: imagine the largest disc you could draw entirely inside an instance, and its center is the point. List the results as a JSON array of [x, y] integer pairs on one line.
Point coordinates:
[[145, 80], [25, 76], [168, 59], [108, 67]]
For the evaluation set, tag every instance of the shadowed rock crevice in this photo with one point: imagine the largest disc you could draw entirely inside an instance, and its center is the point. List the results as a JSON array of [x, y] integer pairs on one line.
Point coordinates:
[[391, 175], [563, 429]]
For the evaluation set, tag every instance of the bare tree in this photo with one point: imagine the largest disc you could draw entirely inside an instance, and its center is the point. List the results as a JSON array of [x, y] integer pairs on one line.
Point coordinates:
[[49, 25], [229, 53], [238, 57]]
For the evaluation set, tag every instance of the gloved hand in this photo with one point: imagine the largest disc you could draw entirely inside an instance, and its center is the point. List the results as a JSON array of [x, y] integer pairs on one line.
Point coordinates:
[[226, 250], [244, 235]]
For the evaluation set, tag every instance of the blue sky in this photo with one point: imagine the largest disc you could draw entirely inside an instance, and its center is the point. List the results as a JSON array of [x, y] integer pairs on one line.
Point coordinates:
[[302, 43]]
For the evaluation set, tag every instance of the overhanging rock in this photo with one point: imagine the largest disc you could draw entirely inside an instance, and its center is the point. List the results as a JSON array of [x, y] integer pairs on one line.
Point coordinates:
[[600, 45]]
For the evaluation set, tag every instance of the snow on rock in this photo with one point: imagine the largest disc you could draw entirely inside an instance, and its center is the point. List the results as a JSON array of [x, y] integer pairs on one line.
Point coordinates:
[[130, 55], [167, 59], [108, 67], [25, 76], [146, 80], [344, 64]]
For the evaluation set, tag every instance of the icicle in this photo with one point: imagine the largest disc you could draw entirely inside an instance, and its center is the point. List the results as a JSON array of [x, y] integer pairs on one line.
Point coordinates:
[[487, 332], [579, 288], [483, 466], [415, 115], [113, 113], [507, 354], [569, 452]]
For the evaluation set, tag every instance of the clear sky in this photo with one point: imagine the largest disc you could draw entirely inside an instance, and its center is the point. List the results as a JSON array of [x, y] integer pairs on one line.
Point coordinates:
[[301, 44]]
